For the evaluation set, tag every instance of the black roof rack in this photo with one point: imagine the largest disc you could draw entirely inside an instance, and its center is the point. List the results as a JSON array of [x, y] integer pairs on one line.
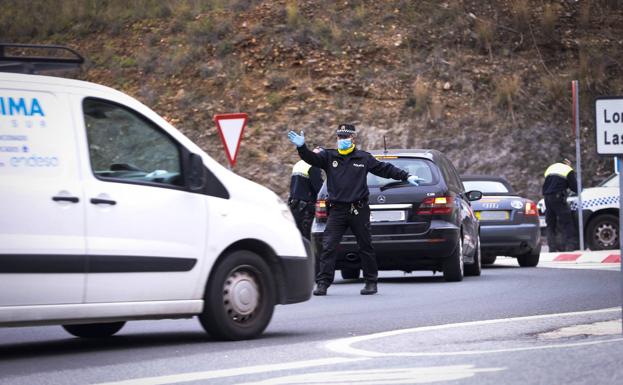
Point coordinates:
[[20, 61]]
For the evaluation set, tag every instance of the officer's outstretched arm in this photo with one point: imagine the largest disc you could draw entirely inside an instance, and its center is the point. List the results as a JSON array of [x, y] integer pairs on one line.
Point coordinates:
[[386, 170], [314, 159]]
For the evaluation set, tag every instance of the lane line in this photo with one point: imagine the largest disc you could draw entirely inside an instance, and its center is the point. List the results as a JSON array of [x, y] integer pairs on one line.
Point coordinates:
[[212, 374], [344, 345]]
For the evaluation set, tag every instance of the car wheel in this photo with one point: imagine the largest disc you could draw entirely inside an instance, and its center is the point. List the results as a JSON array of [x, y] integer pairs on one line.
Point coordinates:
[[99, 330], [453, 265], [240, 297], [603, 232], [350, 273], [488, 259], [474, 269], [531, 259]]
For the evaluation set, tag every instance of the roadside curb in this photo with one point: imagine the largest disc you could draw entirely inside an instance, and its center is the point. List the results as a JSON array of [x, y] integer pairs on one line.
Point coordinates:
[[602, 256]]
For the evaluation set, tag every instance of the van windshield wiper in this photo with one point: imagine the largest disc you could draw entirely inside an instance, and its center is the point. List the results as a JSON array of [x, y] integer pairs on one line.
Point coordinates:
[[398, 183]]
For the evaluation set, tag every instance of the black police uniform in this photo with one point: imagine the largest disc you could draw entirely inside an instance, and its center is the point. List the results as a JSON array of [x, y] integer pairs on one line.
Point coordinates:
[[305, 183], [558, 178], [348, 205]]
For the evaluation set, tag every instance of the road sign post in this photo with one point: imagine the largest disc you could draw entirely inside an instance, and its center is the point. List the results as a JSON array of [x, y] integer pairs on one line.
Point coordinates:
[[609, 136], [578, 157], [230, 128]]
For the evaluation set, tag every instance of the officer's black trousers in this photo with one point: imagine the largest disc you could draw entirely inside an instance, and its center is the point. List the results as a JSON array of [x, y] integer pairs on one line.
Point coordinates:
[[341, 217], [559, 221]]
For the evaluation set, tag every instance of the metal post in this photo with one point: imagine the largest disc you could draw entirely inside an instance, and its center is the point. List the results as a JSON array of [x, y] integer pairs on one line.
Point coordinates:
[[578, 158], [620, 159]]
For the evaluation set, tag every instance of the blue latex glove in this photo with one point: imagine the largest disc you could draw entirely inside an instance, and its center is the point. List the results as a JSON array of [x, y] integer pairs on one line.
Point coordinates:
[[297, 139], [414, 180]]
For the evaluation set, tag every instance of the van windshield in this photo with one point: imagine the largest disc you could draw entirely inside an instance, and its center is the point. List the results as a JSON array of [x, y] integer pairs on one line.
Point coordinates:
[[422, 168]]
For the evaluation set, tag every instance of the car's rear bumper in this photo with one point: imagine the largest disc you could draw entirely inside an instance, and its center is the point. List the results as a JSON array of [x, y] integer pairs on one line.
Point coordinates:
[[397, 251], [509, 239]]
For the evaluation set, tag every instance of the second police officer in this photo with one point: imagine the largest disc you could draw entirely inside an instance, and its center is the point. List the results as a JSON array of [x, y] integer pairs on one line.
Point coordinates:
[[347, 168]]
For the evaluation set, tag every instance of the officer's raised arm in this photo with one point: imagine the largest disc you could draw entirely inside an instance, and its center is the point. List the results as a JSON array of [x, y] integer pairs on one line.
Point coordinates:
[[318, 160]]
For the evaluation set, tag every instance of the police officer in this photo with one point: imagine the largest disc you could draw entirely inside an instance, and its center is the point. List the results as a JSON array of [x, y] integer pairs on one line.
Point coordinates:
[[305, 183], [347, 169], [558, 178]]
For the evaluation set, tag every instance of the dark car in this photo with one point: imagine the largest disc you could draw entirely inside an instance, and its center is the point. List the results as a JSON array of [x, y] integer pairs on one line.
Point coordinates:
[[509, 224], [427, 227]]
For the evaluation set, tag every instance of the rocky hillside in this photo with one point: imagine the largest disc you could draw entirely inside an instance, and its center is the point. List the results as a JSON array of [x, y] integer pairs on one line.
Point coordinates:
[[488, 83]]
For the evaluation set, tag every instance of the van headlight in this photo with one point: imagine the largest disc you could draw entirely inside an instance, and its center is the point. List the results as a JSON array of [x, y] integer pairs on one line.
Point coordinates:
[[285, 210]]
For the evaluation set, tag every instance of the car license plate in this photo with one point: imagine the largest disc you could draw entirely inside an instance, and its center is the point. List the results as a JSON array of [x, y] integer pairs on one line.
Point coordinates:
[[387, 215], [492, 215]]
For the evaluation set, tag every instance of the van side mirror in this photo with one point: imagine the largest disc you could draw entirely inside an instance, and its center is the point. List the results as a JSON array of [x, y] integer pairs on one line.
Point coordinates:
[[473, 195], [196, 173]]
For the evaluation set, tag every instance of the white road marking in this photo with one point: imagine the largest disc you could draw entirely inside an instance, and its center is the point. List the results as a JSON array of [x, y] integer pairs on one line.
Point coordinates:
[[422, 375], [602, 328], [344, 345], [212, 374]]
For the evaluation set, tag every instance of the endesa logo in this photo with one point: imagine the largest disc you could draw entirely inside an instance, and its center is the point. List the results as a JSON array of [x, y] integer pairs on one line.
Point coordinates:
[[10, 106]]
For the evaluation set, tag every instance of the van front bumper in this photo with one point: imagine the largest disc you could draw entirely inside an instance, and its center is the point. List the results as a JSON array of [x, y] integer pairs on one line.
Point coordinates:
[[298, 277]]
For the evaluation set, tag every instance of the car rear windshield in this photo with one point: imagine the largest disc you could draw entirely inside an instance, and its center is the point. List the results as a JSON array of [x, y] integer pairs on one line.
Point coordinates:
[[422, 168], [485, 186]]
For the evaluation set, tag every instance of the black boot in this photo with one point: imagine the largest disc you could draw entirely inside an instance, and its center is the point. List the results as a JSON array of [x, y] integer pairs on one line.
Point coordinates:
[[369, 288], [321, 289]]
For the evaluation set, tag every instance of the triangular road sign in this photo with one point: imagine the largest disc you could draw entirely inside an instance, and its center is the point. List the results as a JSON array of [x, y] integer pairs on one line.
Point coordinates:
[[230, 128]]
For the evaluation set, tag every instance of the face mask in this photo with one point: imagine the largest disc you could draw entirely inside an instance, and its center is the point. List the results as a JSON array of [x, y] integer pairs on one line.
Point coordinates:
[[344, 144]]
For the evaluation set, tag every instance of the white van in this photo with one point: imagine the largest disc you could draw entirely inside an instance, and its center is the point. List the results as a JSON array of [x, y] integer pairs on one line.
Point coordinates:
[[109, 214]]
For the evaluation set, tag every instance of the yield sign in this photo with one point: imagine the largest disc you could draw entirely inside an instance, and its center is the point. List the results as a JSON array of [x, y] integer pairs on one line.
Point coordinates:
[[230, 127]]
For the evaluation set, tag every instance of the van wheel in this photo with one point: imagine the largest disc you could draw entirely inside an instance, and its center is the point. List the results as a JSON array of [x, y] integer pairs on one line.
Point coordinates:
[[531, 259], [350, 273], [239, 298], [474, 269], [453, 265], [603, 232], [100, 330], [488, 259]]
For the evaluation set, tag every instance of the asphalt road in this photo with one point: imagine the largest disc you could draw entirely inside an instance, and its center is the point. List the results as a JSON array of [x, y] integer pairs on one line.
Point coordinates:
[[299, 345]]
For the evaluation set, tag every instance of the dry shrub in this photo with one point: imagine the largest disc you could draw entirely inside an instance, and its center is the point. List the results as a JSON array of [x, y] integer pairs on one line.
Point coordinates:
[[485, 31], [548, 20], [584, 18], [436, 110], [555, 87], [520, 10], [293, 17], [592, 69], [422, 93], [506, 90]]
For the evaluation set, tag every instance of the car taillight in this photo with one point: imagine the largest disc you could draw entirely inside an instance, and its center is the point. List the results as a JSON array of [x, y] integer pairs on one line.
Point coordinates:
[[436, 206], [531, 209], [321, 209]]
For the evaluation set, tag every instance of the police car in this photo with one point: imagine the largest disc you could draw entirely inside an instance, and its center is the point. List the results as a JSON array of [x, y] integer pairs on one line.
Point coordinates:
[[109, 214], [600, 214]]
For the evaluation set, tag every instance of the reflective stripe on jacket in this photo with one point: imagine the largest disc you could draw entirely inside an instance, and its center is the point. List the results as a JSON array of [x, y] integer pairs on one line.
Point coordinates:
[[305, 182], [558, 178]]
